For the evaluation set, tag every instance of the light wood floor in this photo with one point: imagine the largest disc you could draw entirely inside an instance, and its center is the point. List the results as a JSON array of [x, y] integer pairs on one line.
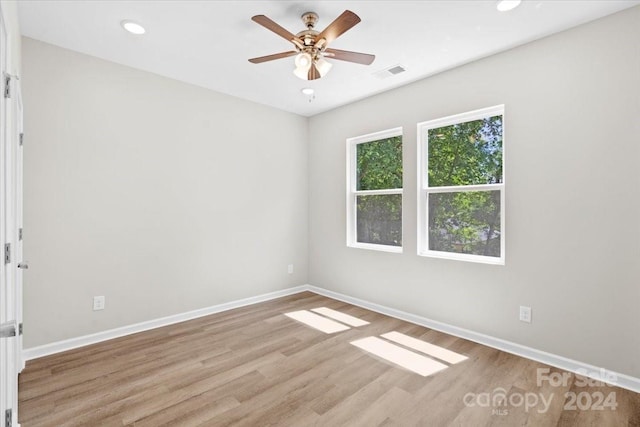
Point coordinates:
[[254, 366]]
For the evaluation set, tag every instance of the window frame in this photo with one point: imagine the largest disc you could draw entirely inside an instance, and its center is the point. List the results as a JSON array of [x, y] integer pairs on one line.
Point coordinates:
[[424, 190], [353, 193]]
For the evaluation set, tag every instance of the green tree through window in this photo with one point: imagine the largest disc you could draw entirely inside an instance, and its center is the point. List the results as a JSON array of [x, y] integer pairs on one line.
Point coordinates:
[[463, 185], [379, 164], [466, 153], [375, 204]]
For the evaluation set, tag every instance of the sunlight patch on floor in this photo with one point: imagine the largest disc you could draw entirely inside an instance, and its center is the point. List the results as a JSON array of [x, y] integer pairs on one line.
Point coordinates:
[[340, 317], [316, 321], [414, 362], [424, 347]]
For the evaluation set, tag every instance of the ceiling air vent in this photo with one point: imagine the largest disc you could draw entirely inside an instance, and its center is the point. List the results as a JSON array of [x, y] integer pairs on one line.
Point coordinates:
[[391, 71]]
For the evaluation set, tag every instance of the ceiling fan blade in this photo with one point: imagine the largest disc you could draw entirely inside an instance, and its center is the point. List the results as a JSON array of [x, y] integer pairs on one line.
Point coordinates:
[[280, 55], [347, 55], [339, 26], [272, 26], [313, 73]]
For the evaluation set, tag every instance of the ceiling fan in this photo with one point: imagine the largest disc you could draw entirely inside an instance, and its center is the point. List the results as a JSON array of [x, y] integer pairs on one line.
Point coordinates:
[[311, 46]]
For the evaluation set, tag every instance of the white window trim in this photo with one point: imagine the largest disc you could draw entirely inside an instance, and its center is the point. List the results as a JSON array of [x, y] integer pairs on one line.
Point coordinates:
[[352, 193], [424, 189]]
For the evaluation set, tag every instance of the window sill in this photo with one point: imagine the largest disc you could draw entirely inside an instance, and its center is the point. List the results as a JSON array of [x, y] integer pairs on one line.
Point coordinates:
[[374, 247], [463, 257]]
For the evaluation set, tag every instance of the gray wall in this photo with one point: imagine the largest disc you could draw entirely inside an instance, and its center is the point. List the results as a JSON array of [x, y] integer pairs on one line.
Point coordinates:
[[162, 196], [572, 197]]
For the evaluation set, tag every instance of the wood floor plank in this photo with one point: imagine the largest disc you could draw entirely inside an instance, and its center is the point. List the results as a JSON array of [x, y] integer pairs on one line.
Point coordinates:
[[255, 366], [197, 410]]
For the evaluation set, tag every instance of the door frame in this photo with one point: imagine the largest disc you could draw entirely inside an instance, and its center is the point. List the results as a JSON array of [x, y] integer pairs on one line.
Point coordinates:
[[10, 306], [4, 315]]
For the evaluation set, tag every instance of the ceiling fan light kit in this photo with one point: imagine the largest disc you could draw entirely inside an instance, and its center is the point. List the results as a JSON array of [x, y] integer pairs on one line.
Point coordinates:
[[323, 66], [311, 47]]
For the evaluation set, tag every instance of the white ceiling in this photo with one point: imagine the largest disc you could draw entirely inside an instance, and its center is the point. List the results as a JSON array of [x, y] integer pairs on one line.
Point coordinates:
[[207, 43]]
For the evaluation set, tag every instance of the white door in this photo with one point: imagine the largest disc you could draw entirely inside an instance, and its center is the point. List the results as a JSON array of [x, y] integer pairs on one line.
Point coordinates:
[[8, 234]]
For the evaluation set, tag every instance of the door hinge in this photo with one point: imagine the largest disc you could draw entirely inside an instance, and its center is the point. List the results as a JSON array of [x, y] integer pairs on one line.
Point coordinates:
[[8, 418], [20, 234], [21, 139], [7, 253], [7, 85], [20, 329]]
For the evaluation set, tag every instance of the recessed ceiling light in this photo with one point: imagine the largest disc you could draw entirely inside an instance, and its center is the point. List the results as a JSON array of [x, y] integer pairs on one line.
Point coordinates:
[[133, 27], [506, 5], [307, 91]]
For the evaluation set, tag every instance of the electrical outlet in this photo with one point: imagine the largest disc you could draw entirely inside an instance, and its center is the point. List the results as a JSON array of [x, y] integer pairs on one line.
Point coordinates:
[[98, 303], [525, 314], [290, 269]]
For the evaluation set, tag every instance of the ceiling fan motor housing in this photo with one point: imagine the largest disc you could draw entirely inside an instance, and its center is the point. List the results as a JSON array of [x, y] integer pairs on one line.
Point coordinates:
[[308, 36]]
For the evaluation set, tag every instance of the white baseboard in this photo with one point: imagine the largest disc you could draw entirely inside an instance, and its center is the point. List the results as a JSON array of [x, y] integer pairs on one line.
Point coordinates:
[[622, 380], [70, 344]]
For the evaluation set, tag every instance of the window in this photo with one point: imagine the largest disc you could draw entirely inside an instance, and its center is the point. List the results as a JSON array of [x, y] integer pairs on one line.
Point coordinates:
[[461, 187], [374, 191]]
